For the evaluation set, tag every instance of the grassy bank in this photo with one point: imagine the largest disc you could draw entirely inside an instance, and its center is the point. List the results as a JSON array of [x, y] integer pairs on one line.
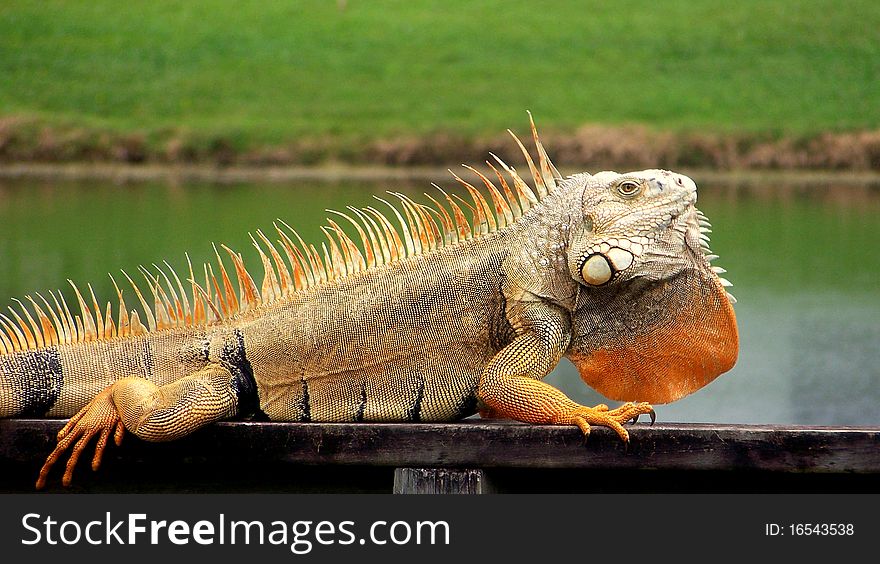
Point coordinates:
[[416, 82]]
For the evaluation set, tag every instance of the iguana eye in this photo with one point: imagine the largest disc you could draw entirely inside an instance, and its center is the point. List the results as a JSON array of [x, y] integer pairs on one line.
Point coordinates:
[[629, 188]]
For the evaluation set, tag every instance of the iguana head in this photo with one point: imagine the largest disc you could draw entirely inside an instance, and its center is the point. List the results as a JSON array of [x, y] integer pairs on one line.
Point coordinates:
[[652, 321]]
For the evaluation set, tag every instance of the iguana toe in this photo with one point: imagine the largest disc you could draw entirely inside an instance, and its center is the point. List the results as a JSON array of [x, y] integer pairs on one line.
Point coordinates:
[[584, 416], [100, 418]]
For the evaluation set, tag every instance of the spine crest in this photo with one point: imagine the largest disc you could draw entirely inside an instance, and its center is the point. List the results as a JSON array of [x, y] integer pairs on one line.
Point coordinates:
[[423, 228]]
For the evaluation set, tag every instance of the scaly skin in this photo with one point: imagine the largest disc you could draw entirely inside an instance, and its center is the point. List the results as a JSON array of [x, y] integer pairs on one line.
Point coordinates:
[[607, 269]]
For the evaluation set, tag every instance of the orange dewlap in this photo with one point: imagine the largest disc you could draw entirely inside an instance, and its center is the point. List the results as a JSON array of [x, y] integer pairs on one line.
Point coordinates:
[[679, 355]]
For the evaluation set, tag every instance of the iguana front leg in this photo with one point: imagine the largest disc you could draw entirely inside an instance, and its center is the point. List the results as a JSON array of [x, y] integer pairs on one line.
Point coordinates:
[[151, 412], [510, 385]]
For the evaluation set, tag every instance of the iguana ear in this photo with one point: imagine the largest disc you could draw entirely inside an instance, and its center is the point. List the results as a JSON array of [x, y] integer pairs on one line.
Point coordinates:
[[674, 338]]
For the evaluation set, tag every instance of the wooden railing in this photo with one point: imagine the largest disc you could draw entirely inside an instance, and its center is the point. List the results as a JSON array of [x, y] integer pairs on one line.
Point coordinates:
[[472, 456]]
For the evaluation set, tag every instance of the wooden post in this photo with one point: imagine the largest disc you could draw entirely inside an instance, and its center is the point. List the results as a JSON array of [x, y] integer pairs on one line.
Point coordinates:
[[439, 481]]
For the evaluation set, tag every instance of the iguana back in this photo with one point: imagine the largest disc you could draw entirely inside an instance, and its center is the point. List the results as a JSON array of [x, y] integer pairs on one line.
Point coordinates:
[[406, 342]]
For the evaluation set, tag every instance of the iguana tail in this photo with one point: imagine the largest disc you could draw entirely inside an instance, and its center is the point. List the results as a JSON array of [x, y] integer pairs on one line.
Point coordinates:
[[30, 382]]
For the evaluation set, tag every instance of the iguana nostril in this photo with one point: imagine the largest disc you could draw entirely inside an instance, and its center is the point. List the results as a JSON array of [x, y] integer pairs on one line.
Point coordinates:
[[679, 181]]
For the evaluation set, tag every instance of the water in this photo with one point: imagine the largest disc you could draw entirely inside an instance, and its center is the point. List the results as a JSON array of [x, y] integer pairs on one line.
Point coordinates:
[[803, 256]]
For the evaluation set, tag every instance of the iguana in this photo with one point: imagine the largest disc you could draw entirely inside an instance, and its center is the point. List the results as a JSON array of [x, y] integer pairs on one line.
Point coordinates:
[[430, 317]]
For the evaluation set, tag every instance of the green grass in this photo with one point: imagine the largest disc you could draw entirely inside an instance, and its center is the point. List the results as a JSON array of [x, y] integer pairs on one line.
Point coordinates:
[[267, 72]]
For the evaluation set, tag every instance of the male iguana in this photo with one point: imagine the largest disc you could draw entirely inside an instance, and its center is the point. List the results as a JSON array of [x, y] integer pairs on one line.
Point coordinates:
[[429, 322]]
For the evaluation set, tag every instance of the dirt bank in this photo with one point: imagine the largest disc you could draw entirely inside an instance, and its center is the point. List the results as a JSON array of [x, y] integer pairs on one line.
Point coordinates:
[[590, 147]]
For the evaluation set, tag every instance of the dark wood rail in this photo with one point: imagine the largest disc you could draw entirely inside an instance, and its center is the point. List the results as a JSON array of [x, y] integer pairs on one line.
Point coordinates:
[[470, 456]]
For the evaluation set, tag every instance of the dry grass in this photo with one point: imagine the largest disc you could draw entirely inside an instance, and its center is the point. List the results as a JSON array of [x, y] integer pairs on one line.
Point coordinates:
[[591, 147]]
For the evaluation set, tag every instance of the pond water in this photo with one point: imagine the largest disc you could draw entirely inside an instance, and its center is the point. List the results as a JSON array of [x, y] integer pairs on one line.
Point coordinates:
[[803, 256]]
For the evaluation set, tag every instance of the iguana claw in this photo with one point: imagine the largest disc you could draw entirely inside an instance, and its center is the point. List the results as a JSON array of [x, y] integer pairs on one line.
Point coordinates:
[[583, 417], [100, 418], [652, 414]]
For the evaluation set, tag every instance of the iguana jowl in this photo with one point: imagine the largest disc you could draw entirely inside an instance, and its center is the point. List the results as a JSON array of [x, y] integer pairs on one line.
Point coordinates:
[[428, 321]]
